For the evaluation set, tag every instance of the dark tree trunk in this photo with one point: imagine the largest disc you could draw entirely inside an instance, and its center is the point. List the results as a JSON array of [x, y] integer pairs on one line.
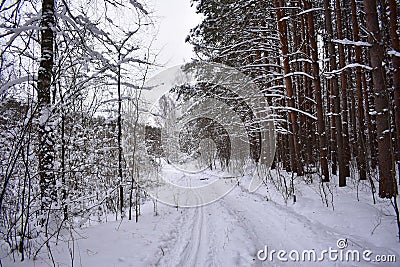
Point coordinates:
[[371, 119], [336, 96], [344, 85], [119, 124], [318, 95], [387, 182], [46, 142], [361, 159], [396, 73], [309, 123], [293, 140]]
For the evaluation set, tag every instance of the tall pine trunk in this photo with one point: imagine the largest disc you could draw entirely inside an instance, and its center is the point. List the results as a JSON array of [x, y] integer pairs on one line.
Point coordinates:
[[293, 140], [318, 95], [344, 85], [361, 157], [336, 97], [387, 182], [396, 73]]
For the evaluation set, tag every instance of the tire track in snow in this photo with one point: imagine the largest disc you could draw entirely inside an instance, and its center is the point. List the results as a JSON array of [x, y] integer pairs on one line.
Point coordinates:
[[191, 245], [232, 230], [191, 251]]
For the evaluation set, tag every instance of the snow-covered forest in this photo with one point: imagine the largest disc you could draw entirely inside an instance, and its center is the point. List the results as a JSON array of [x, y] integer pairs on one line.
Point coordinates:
[[279, 144]]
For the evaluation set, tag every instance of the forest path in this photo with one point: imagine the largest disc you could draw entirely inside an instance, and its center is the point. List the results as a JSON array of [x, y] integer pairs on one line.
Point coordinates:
[[231, 231]]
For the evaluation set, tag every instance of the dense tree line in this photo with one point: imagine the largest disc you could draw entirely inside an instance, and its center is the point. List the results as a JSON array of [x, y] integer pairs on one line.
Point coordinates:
[[329, 69]]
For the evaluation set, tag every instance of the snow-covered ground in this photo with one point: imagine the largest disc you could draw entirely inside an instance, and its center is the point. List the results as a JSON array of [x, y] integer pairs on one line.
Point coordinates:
[[236, 230]]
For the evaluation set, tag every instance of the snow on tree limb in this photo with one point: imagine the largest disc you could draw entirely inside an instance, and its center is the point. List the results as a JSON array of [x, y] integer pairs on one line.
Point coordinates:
[[346, 41], [349, 66]]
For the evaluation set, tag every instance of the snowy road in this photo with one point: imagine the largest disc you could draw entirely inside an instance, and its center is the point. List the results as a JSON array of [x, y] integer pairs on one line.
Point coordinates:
[[231, 231]]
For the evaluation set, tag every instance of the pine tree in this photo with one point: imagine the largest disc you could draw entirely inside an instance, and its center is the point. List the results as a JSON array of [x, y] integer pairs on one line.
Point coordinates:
[[387, 182]]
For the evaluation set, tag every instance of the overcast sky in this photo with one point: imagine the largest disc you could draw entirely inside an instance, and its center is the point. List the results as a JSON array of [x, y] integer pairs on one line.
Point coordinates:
[[177, 17]]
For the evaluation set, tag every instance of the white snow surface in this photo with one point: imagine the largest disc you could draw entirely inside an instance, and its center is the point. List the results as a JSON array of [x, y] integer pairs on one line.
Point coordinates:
[[232, 230]]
